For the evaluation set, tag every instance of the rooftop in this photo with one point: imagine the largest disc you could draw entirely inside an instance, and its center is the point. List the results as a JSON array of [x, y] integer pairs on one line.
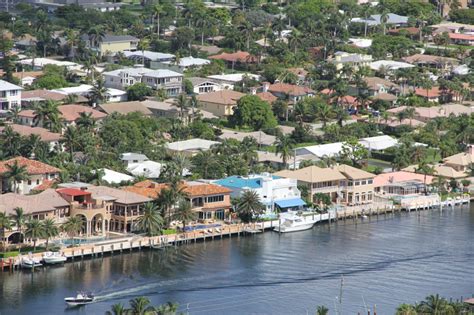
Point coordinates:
[[44, 134], [400, 176], [120, 195], [194, 189], [352, 172], [33, 167], [290, 89], [47, 200], [239, 56], [73, 111], [191, 145], [259, 136], [125, 108], [151, 55], [312, 174], [7, 86], [226, 97]]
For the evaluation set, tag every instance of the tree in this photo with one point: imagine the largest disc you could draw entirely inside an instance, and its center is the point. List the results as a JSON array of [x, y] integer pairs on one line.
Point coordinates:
[[151, 222], [425, 169], [249, 206], [157, 11], [71, 139], [138, 92], [34, 231], [5, 224], [16, 174], [50, 230], [284, 146], [182, 103], [184, 212], [252, 112], [322, 310], [20, 220], [353, 151], [323, 113], [96, 35], [143, 45], [140, 306], [98, 93], [406, 309], [73, 226], [86, 121], [117, 309], [48, 115]]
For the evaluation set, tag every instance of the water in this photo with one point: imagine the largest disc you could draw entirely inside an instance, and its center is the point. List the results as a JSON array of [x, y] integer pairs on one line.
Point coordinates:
[[385, 261]]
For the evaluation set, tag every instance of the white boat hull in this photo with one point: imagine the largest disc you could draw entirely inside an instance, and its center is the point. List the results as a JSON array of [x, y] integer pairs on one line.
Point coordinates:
[[71, 303], [297, 228], [30, 264], [54, 260]]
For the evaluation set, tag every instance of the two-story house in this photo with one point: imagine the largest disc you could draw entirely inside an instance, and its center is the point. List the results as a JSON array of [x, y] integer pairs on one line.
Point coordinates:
[[209, 201], [292, 93], [359, 185], [112, 43], [10, 95], [463, 161], [278, 194], [37, 173]]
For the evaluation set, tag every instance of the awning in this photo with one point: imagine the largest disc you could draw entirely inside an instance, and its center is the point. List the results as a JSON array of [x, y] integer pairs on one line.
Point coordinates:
[[290, 203]]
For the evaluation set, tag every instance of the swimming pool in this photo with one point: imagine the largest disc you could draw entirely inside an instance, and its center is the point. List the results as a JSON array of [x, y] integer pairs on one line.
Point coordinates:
[[201, 227], [77, 241]]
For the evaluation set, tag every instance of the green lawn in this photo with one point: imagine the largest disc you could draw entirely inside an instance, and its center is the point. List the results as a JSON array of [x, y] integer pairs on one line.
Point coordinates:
[[169, 231]]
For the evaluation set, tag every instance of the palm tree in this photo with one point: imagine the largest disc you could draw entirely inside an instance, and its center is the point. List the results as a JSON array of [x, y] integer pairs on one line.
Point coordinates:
[[98, 93], [96, 35], [19, 218], [50, 230], [151, 222], [184, 212], [71, 139], [5, 224], [86, 121], [47, 114], [249, 206], [323, 113], [157, 11], [383, 20], [140, 305], [425, 169], [73, 226], [295, 40], [284, 146], [70, 99], [433, 304], [182, 103], [167, 309], [406, 309], [11, 143], [117, 309], [143, 44], [34, 231], [322, 310], [72, 40], [16, 174]]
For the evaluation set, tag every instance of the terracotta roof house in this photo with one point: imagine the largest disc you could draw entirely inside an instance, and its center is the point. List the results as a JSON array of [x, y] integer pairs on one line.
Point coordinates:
[[291, 92], [27, 77], [27, 97], [410, 31], [440, 170], [439, 62], [69, 114], [375, 86], [37, 172], [461, 39], [235, 58], [401, 183], [211, 202], [431, 95], [45, 135], [267, 97], [125, 108], [220, 103]]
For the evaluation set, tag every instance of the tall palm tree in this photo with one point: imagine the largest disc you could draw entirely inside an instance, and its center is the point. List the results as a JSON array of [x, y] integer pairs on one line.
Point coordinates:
[[71, 139], [406, 309], [323, 113], [48, 115], [249, 206], [284, 146], [143, 44], [50, 230], [433, 304], [182, 103], [20, 219], [72, 40], [5, 224], [322, 310], [167, 309], [117, 309], [425, 169], [34, 231], [96, 35], [15, 174], [86, 121], [73, 226], [98, 93], [184, 212], [151, 222], [11, 143], [140, 306], [383, 20], [157, 11], [295, 40]]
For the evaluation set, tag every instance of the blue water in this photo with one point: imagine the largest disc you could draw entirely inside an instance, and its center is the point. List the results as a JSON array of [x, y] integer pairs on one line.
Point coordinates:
[[384, 261]]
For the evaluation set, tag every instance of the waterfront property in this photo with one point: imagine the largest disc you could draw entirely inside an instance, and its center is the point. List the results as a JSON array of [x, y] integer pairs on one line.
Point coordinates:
[[401, 183], [37, 173], [210, 202], [278, 194], [342, 183]]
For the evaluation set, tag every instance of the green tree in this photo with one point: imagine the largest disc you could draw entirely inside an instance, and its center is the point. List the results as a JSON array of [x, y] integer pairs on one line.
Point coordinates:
[[150, 222], [284, 146], [5, 224], [16, 174], [252, 112], [249, 206], [425, 169], [50, 230], [73, 226], [354, 152], [71, 139], [406, 309], [34, 231], [98, 93], [322, 310], [140, 306], [48, 115], [20, 219], [138, 92], [117, 309], [184, 212]]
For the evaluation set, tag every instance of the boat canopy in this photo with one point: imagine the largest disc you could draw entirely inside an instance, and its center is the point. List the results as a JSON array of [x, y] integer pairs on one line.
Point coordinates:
[[289, 203]]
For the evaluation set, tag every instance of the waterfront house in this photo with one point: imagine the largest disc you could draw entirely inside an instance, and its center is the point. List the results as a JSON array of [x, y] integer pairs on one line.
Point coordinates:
[[210, 202], [278, 194], [461, 162], [344, 184], [10, 95], [220, 103], [37, 171], [401, 183], [190, 147]]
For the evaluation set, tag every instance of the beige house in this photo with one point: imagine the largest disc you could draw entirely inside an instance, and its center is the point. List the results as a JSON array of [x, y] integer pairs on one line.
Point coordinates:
[[343, 183], [112, 43], [220, 103], [461, 162]]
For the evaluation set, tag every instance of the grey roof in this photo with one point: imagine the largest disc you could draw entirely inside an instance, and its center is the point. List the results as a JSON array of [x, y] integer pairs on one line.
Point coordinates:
[[150, 55], [162, 73], [121, 196], [130, 156], [259, 136], [7, 86], [392, 18], [47, 200], [197, 80], [162, 106], [138, 71]]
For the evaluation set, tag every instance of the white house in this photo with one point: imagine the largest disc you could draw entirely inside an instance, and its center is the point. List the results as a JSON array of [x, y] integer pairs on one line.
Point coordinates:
[[229, 80], [148, 169], [133, 158], [113, 95], [123, 78], [113, 177], [276, 193], [10, 95], [188, 62], [204, 85]]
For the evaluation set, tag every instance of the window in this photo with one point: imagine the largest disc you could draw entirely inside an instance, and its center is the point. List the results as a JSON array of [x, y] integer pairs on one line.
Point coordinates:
[[370, 181], [29, 181], [357, 183], [364, 182], [350, 183], [37, 182], [219, 198]]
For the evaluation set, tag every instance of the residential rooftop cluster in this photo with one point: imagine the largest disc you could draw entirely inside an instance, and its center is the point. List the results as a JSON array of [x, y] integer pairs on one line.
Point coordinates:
[[107, 108]]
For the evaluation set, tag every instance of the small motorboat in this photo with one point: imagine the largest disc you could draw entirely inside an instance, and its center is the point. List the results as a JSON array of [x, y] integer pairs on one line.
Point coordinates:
[[52, 258], [294, 222], [80, 299], [30, 263]]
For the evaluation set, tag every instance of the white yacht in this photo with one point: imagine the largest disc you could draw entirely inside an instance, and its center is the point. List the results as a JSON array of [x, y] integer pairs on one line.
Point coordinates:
[[52, 258], [80, 299], [30, 262], [294, 222]]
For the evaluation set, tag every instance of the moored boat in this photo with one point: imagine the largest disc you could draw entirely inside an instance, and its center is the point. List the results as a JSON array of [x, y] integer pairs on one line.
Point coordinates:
[[292, 222], [52, 258], [30, 263]]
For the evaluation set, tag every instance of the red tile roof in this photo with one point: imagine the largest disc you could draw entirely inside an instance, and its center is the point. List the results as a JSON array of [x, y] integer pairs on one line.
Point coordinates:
[[44, 134], [152, 190], [461, 36], [47, 183], [72, 112], [239, 56], [226, 97], [73, 192], [267, 97], [33, 167], [433, 92], [290, 89]]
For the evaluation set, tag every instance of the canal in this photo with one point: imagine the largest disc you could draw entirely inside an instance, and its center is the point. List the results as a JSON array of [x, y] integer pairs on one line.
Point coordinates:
[[382, 261]]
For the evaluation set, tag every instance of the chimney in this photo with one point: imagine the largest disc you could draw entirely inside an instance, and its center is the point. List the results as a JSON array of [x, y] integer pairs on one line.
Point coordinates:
[[265, 86], [253, 90]]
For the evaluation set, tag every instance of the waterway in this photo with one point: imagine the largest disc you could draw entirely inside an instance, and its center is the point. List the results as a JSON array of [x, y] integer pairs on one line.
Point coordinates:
[[383, 261]]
